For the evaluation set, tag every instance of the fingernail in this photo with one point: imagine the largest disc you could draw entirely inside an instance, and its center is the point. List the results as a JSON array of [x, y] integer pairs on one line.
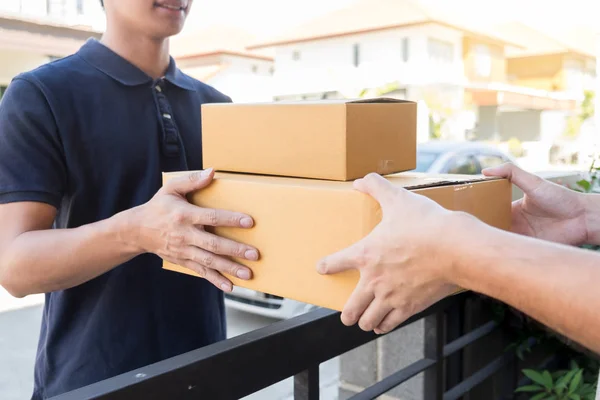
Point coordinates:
[[246, 222], [226, 287], [243, 274], [321, 269], [206, 172], [251, 255]]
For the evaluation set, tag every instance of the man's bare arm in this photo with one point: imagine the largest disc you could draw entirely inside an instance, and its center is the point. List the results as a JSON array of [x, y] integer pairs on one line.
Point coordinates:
[[37, 259], [403, 271], [555, 284]]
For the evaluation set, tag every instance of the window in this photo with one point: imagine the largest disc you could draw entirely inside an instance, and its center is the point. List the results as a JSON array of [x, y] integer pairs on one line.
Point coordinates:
[[356, 55], [296, 55], [405, 51], [80, 7], [483, 60], [440, 51], [272, 70], [464, 165], [254, 69], [56, 7], [425, 160], [490, 160]]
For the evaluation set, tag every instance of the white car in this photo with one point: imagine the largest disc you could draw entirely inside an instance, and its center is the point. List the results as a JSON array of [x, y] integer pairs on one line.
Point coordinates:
[[437, 157]]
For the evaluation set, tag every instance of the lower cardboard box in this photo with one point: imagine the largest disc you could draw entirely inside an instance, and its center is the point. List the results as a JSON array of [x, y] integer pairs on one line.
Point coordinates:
[[299, 221]]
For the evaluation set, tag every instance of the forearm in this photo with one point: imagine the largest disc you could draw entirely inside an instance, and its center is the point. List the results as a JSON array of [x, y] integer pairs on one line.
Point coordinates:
[[554, 284], [592, 207], [48, 260]]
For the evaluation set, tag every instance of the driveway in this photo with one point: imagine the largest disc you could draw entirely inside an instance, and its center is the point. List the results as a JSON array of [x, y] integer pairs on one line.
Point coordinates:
[[19, 330]]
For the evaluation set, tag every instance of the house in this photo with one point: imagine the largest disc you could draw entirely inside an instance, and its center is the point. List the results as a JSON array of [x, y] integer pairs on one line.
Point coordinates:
[[400, 48], [33, 32], [218, 56], [562, 61], [559, 66]]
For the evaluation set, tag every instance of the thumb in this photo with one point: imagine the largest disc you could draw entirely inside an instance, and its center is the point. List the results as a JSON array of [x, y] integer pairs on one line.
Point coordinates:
[[377, 187], [188, 183], [525, 181], [344, 260]]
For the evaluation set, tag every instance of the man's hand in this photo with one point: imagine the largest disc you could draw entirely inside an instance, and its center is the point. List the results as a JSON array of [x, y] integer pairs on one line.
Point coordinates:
[[169, 226], [547, 211], [401, 262]]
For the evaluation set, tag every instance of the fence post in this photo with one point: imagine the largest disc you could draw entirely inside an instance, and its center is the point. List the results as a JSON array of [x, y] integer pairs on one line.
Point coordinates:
[[306, 384], [434, 350]]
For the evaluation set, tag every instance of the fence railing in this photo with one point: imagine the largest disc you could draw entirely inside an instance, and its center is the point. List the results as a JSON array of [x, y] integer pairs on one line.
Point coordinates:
[[243, 365]]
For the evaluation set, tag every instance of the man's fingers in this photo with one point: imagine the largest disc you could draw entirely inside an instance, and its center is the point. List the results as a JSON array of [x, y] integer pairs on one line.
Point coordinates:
[[225, 247], [193, 181], [391, 321], [377, 187], [373, 315], [212, 261], [344, 260], [212, 217], [526, 181], [357, 304], [210, 275]]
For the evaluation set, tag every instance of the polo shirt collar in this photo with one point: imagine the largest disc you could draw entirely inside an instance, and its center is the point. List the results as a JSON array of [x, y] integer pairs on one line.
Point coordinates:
[[121, 70]]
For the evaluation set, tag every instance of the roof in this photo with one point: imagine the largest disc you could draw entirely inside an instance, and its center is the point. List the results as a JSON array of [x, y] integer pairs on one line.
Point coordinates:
[[442, 146], [537, 42], [42, 35], [11, 21], [363, 16], [206, 72], [215, 40]]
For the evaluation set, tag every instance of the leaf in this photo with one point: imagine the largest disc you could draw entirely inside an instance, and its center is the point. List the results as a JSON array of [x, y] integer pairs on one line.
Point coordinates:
[[547, 380], [573, 364], [575, 382], [584, 184], [529, 388], [539, 396], [574, 397], [535, 376], [561, 383]]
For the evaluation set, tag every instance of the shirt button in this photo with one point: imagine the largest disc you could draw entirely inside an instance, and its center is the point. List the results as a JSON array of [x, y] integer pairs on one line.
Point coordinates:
[[158, 89], [166, 116]]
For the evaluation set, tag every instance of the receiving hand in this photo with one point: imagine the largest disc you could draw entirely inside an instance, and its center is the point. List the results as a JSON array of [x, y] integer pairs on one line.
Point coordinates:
[[402, 262]]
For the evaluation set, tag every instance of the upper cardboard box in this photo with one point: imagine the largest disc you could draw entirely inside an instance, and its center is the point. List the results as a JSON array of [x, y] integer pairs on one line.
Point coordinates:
[[337, 140], [298, 221]]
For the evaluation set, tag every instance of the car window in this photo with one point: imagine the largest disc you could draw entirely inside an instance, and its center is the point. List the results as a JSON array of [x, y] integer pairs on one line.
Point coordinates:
[[425, 160], [464, 165], [490, 160]]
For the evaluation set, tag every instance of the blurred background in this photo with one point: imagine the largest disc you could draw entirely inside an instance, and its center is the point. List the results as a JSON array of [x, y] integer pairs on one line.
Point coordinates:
[[495, 80]]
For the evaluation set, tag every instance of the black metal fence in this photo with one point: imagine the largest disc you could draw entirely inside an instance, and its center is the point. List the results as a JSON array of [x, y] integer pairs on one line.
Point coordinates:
[[296, 347]]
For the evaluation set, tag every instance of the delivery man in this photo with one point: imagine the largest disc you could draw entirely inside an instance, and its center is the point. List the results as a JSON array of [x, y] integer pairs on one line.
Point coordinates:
[[83, 143], [421, 253]]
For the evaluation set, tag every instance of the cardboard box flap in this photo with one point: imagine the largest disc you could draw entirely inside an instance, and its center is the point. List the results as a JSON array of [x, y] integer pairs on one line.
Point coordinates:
[[406, 180], [376, 100]]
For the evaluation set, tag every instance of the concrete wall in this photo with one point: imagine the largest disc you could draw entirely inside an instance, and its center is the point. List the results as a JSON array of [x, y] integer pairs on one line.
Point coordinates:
[[15, 62], [477, 54], [523, 125], [245, 79], [328, 65]]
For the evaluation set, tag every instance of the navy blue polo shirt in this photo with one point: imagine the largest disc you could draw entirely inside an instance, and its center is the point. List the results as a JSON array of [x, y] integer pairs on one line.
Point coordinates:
[[91, 134]]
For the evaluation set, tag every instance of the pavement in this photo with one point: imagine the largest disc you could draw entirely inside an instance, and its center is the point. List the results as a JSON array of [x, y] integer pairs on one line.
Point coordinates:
[[19, 331]]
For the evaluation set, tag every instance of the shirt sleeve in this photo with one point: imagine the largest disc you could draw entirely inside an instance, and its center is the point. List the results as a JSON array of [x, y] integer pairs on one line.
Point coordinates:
[[32, 166]]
